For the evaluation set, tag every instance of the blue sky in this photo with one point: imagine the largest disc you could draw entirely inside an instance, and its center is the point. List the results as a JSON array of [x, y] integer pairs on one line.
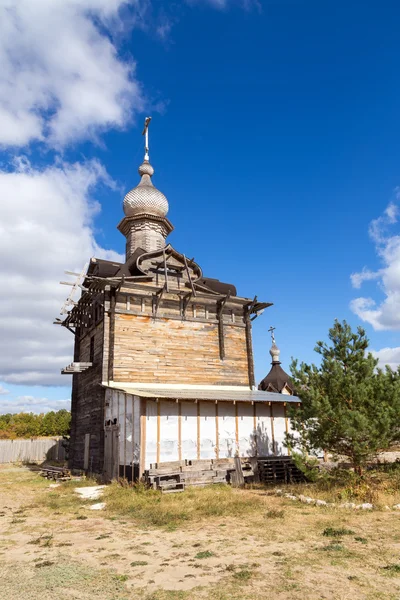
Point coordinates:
[[274, 137]]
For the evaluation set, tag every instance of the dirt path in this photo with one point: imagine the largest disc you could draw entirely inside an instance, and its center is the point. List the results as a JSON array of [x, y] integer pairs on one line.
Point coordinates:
[[281, 553]]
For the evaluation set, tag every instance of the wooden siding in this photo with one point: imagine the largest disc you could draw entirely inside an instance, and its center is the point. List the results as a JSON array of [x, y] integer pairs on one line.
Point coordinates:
[[173, 351]]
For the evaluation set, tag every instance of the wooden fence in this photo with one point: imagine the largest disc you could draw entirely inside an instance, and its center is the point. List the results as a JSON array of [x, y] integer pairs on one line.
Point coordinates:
[[33, 450]]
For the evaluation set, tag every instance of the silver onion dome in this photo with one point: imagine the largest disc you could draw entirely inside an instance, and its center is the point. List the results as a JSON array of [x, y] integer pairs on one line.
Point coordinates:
[[145, 198], [275, 352]]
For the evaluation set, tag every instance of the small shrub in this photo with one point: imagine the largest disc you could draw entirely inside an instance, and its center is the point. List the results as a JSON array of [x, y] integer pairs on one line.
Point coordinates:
[[243, 575], [121, 577], [332, 532], [335, 547], [81, 517], [139, 563], [393, 569], [45, 563], [361, 540], [205, 554]]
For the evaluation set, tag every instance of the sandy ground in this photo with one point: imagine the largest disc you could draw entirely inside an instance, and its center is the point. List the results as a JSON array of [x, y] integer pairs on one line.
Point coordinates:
[[286, 556]]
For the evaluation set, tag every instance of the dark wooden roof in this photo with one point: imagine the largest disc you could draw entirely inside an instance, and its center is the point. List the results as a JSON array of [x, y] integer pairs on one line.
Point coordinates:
[[276, 380]]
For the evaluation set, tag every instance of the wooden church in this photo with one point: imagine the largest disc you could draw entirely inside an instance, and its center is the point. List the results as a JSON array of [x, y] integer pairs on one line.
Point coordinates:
[[163, 364]]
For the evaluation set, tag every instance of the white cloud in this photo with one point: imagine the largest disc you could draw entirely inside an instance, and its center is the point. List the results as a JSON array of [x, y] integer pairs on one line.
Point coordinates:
[[386, 314], [61, 78], [32, 404], [46, 220], [388, 356], [3, 391]]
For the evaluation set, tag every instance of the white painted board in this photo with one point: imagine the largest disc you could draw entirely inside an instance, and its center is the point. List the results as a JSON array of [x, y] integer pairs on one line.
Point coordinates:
[[207, 430], [151, 433], [263, 429], [189, 430], [247, 441], [168, 431], [278, 411], [226, 429]]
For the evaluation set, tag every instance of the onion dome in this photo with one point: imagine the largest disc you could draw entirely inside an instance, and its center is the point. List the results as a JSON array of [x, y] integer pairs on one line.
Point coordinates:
[[277, 379], [145, 198]]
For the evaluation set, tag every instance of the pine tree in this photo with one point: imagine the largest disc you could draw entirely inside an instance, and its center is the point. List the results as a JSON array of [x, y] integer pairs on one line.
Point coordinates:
[[349, 406]]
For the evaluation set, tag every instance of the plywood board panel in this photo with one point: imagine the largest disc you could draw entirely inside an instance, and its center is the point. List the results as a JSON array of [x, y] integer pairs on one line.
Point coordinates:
[[151, 433], [189, 430], [247, 441], [136, 429], [227, 429], [207, 430], [168, 431], [279, 428], [121, 422], [263, 430]]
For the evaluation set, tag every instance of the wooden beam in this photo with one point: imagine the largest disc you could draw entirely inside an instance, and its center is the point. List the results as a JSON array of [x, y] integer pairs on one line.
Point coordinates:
[[133, 439], [237, 429], [142, 461], [249, 348], [111, 334], [157, 298], [165, 270], [255, 427], [188, 274], [220, 317], [179, 430], [125, 409], [158, 431], [216, 431], [272, 428], [185, 299], [286, 423], [198, 430]]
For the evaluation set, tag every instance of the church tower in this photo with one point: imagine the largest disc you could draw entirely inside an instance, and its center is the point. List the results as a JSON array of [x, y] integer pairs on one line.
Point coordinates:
[[145, 224]]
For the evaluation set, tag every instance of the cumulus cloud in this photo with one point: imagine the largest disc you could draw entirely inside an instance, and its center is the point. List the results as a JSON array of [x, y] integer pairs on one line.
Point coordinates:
[[31, 404], [388, 356], [61, 77], [384, 315], [3, 391], [46, 226]]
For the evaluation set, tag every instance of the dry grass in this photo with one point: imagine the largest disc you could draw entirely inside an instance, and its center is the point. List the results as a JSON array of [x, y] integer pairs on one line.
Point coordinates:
[[378, 487], [149, 508], [214, 543]]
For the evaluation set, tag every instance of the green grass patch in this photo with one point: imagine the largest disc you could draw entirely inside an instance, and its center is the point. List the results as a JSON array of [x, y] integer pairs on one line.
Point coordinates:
[[243, 575], [392, 569], [139, 563], [205, 554]]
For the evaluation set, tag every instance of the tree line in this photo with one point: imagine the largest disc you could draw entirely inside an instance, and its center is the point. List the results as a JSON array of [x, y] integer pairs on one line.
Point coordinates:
[[28, 425]]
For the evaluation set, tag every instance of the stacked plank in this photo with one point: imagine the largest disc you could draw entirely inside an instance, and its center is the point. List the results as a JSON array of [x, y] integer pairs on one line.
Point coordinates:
[[280, 469], [56, 473], [171, 477]]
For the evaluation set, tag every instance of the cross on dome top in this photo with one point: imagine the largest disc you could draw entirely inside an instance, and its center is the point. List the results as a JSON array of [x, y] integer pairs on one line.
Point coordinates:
[[145, 198]]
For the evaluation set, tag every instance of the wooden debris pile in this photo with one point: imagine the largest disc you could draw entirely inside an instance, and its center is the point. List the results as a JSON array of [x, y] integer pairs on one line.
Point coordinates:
[[170, 477], [56, 473]]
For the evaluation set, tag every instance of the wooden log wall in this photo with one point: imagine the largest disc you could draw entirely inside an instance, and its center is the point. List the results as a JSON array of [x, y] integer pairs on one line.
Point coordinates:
[[88, 402], [173, 351], [167, 348]]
